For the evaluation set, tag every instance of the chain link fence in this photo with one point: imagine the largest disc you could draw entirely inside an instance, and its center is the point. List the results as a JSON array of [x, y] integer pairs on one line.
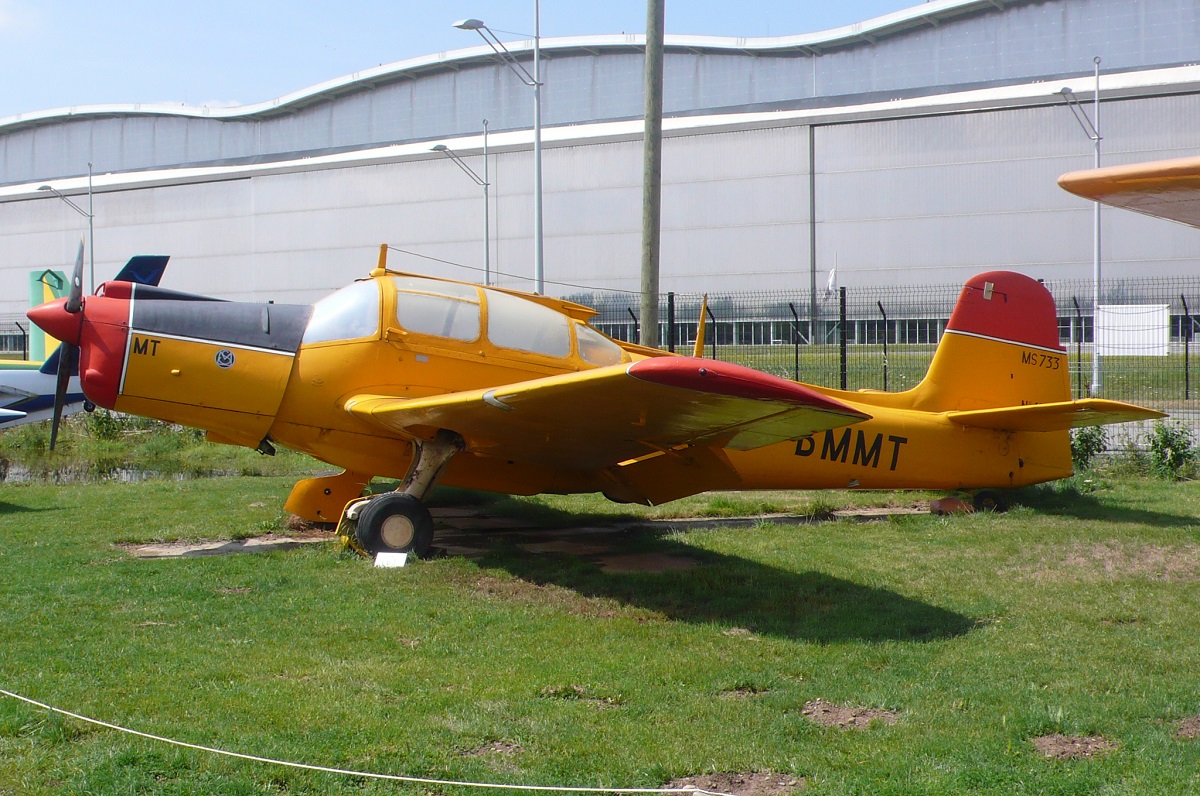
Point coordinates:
[[14, 337], [883, 338]]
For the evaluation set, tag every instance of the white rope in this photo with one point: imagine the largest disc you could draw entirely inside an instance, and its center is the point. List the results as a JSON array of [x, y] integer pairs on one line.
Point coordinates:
[[347, 772]]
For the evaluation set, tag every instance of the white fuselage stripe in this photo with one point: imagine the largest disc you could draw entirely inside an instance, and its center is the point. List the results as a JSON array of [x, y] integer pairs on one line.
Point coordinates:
[[1010, 342], [206, 341], [128, 340]]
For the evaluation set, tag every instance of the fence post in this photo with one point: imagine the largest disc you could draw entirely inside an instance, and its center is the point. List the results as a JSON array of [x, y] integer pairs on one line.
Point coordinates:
[[24, 341], [1187, 346], [795, 342], [842, 333], [885, 351], [671, 321], [1078, 345]]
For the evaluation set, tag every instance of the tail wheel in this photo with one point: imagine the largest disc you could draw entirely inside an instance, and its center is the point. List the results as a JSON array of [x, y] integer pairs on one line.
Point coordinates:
[[395, 523], [989, 500]]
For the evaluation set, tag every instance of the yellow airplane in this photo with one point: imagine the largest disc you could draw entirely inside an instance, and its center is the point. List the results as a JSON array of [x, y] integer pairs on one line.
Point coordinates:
[[420, 379]]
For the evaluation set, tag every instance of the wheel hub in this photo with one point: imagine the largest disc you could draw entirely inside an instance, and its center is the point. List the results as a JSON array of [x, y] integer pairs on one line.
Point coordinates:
[[397, 531]]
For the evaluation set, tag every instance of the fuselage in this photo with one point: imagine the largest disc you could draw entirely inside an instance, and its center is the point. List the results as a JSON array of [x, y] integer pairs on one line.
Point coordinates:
[[264, 375]]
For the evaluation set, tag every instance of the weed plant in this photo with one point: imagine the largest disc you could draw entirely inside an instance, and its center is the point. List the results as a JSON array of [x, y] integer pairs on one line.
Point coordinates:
[[1172, 450], [99, 444], [1086, 444]]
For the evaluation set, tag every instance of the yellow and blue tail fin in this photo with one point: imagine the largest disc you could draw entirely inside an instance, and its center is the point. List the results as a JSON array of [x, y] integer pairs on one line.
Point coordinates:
[[144, 269]]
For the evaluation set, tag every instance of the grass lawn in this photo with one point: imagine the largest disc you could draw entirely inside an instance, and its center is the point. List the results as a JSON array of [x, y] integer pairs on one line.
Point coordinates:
[[1075, 614]]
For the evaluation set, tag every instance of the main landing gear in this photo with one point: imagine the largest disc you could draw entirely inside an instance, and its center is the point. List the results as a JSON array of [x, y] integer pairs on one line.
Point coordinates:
[[398, 522]]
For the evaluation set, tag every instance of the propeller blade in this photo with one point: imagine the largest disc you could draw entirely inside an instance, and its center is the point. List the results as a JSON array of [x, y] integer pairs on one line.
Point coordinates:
[[68, 363], [75, 296]]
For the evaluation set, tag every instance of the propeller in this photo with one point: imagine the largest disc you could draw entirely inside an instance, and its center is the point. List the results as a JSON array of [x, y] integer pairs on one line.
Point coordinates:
[[68, 358]]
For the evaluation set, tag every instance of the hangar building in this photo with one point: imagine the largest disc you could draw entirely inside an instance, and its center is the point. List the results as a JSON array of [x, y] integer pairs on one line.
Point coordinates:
[[919, 147]]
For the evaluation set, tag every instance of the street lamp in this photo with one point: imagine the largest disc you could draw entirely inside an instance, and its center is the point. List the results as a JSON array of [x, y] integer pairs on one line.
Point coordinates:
[[534, 82], [1091, 128], [482, 181], [90, 216]]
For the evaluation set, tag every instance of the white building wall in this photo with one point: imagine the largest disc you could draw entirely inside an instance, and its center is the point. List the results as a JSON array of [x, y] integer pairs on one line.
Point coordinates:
[[917, 199]]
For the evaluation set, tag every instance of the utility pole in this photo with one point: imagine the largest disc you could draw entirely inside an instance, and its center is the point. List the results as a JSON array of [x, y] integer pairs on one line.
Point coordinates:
[[652, 171]]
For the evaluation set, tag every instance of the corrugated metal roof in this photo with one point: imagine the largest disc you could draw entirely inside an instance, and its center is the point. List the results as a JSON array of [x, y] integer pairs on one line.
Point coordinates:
[[928, 14]]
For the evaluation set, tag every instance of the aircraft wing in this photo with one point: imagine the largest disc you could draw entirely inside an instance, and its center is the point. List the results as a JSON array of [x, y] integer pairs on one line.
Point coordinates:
[[8, 415], [1163, 189], [1058, 416], [607, 416]]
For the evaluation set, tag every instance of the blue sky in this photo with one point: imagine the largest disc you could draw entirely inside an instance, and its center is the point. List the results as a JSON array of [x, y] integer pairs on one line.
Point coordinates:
[[58, 53]]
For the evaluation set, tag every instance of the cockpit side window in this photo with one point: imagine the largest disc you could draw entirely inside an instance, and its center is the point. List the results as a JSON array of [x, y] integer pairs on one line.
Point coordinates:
[[524, 325], [441, 309], [351, 313]]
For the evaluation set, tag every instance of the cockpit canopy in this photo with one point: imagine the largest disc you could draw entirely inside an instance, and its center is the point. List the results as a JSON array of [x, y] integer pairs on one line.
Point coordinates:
[[462, 313]]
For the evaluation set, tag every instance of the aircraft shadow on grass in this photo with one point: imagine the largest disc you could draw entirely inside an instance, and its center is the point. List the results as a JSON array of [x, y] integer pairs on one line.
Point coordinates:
[[728, 590], [16, 508], [1046, 499]]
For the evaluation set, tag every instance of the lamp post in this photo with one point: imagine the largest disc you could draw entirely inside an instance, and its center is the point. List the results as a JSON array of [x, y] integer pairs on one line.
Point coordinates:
[[534, 82], [90, 216], [1091, 128], [481, 181]]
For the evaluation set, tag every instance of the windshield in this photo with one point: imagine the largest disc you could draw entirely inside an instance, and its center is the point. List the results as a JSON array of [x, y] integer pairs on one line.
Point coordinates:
[[349, 314]]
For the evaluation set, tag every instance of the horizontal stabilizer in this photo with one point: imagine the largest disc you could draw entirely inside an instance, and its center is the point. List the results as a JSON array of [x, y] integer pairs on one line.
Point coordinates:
[[8, 415], [1059, 416]]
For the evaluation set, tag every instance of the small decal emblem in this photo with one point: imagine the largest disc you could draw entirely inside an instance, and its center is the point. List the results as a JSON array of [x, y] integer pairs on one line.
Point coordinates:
[[225, 358]]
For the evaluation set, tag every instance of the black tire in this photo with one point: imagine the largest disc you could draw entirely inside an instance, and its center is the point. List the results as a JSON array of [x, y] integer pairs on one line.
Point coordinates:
[[395, 523], [989, 500]]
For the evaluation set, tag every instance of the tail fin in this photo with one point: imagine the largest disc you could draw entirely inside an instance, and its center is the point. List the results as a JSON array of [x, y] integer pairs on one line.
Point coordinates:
[[145, 269], [1000, 349]]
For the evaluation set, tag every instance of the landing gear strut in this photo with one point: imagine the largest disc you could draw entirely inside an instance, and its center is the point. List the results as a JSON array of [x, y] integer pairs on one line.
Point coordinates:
[[398, 522]]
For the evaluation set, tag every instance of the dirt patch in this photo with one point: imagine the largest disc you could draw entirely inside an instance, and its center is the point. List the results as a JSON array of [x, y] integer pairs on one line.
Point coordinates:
[[738, 632], [1189, 729], [577, 693], [1072, 747], [872, 513], [759, 783], [1113, 560], [495, 749], [254, 544], [743, 692], [297, 525], [828, 714]]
